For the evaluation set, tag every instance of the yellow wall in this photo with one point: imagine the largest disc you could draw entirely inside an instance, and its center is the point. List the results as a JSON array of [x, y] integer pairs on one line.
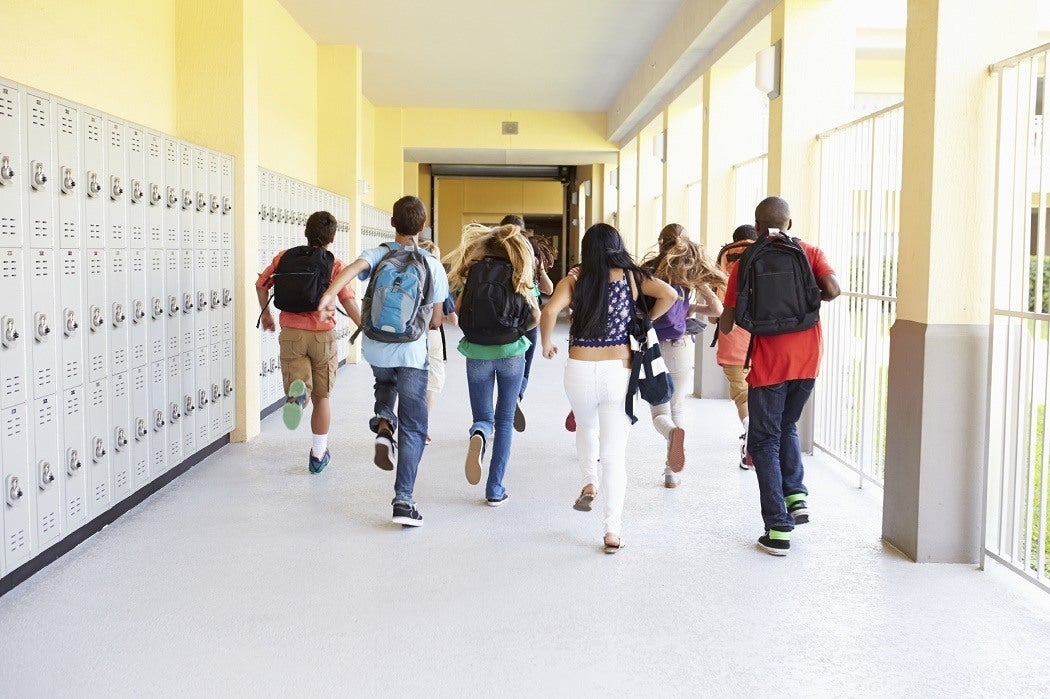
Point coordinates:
[[481, 128], [117, 56], [466, 200], [884, 76], [368, 154], [389, 168], [287, 94]]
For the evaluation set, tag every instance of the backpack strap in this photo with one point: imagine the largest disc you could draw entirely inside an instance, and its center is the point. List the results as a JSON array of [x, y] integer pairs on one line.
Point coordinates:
[[636, 355], [258, 321]]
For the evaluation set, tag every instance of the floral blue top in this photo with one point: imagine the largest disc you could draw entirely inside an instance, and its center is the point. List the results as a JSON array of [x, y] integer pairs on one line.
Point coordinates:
[[617, 318]]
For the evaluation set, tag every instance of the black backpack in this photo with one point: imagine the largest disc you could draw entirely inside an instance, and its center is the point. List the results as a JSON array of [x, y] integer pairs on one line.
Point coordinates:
[[776, 290], [492, 312], [301, 277]]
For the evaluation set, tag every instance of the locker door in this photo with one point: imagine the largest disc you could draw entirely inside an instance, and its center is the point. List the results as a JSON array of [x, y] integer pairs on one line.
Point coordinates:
[[40, 175], [215, 378], [173, 416], [42, 322], [214, 201], [116, 183], [44, 470], [156, 313], [202, 314], [172, 192], [200, 207], [68, 325], [158, 417], [12, 171], [120, 435], [172, 302], [139, 307], [188, 299], [227, 294], [14, 458], [137, 186], [188, 378], [202, 395], [139, 425], [96, 461], [186, 204], [74, 457], [97, 314], [215, 307], [15, 334], [265, 190], [93, 162], [118, 309], [155, 191], [229, 403], [226, 187], [68, 182]]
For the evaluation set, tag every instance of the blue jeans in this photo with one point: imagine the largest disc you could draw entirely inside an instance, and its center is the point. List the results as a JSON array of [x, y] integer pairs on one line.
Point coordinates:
[[497, 426], [772, 440], [408, 388], [534, 338]]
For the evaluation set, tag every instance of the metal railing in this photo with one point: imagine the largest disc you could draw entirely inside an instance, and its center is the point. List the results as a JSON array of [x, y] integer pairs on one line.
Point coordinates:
[[860, 181], [1018, 458], [749, 188]]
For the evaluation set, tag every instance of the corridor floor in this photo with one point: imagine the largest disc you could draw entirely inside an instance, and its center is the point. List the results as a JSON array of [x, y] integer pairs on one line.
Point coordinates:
[[248, 576]]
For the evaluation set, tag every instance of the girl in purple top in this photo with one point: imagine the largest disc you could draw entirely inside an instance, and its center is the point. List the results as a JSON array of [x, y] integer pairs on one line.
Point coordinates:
[[681, 263]]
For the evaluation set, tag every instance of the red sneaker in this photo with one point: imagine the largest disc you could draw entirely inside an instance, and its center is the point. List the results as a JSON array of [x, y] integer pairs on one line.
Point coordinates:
[[570, 422]]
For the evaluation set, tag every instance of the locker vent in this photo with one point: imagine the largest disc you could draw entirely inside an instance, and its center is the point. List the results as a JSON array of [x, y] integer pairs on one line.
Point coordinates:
[[158, 460], [202, 338], [139, 381], [98, 394], [136, 234], [38, 115], [120, 357], [76, 505], [121, 481], [7, 227], [48, 523], [116, 137], [98, 365], [95, 231], [155, 235], [69, 230], [72, 403], [154, 148], [13, 386], [7, 105], [100, 492], [187, 443], [156, 264], [117, 262], [173, 345], [138, 354], [120, 386], [225, 168], [203, 432], [72, 371], [136, 141], [70, 266], [45, 378], [172, 153], [116, 233], [95, 267], [186, 161], [94, 131], [141, 470], [16, 541], [66, 123], [137, 262], [9, 267], [41, 229], [14, 425], [157, 347], [41, 267], [213, 165], [175, 451], [45, 414]]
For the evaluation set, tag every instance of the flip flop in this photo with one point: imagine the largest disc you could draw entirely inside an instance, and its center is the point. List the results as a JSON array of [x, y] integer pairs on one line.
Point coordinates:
[[583, 503], [613, 549]]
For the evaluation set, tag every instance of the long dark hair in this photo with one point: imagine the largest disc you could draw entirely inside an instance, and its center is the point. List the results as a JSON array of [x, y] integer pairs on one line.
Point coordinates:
[[602, 251]]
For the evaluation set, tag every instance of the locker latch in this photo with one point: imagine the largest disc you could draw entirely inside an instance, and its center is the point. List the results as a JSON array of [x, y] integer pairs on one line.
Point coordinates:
[[202, 398], [94, 186], [173, 198], [262, 368], [202, 300], [227, 297], [38, 176], [140, 428], [68, 183], [158, 420], [216, 394], [138, 311], [96, 318], [47, 476], [10, 334], [173, 305], [227, 387], [216, 300], [71, 323], [226, 206], [214, 203], [262, 213], [73, 462], [42, 328], [273, 365], [187, 303], [175, 414], [116, 189], [6, 172], [158, 307], [120, 438], [187, 407], [202, 201], [187, 199], [154, 194], [118, 314], [136, 192], [12, 490], [273, 213], [99, 450]]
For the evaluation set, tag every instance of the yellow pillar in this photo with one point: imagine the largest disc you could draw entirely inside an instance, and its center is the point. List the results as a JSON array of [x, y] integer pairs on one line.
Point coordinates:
[[389, 157], [935, 446], [220, 109]]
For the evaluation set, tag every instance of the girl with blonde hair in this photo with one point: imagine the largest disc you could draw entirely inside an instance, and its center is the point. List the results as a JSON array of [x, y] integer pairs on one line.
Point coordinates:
[[493, 270], [681, 263]]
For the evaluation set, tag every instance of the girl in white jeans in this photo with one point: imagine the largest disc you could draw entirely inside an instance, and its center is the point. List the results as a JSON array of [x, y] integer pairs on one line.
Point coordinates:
[[598, 370], [681, 263]]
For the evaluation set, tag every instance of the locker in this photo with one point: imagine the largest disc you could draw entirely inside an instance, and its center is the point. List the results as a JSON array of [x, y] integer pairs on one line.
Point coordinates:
[[69, 319], [215, 307], [229, 404], [173, 302], [40, 175], [93, 162], [118, 309], [201, 296], [226, 188], [215, 386], [158, 417], [139, 310], [200, 200], [137, 186], [116, 183], [173, 416], [96, 314], [43, 328], [120, 435], [68, 184], [98, 446], [202, 394], [139, 426], [172, 195], [44, 471], [186, 203], [156, 314], [227, 294], [11, 167], [155, 191], [14, 458], [74, 458], [214, 201], [14, 357], [188, 378], [187, 299]]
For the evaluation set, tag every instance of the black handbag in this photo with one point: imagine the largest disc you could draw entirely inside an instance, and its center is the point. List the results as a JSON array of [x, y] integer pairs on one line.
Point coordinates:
[[649, 375]]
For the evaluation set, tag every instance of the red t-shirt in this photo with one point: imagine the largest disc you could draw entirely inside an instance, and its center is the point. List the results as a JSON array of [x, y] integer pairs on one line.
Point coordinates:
[[778, 358], [303, 321]]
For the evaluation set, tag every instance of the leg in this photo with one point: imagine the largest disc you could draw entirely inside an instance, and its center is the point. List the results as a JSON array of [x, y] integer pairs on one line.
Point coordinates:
[[324, 361], [580, 389], [386, 398], [412, 429], [508, 373], [766, 407], [295, 369], [613, 378], [737, 378], [669, 418], [791, 471], [480, 383], [534, 337]]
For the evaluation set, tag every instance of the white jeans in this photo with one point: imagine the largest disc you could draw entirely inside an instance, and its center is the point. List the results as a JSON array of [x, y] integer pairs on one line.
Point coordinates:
[[596, 392], [678, 356]]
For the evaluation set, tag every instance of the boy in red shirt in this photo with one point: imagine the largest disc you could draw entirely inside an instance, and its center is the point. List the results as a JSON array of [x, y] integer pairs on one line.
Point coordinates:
[[783, 371]]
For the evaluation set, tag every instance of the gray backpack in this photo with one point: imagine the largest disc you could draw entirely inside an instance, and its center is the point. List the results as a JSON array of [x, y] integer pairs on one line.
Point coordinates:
[[394, 308]]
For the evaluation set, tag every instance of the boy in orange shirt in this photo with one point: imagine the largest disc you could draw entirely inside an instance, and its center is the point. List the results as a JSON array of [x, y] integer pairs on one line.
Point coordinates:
[[309, 357]]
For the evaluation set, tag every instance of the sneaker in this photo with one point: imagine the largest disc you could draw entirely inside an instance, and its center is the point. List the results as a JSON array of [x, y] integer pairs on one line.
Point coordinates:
[[496, 502], [676, 449], [407, 515], [570, 422], [475, 453], [317, 465], [384, 457], [519, 418], [797, 508], [293, 409], [775, 543], [671, 479]]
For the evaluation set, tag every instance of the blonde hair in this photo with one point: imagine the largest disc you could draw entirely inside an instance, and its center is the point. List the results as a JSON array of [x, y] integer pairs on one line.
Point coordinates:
[[501, 241], [682, 262], [431, 247]]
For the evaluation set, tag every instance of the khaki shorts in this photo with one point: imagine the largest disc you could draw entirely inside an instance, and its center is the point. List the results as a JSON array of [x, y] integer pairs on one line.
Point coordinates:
[[436, 370], [311, 356]]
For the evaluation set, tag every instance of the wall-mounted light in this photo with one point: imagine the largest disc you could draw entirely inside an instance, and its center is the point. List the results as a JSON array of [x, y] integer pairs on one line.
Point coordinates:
[[660, 146], [614, 178], [767, 71]]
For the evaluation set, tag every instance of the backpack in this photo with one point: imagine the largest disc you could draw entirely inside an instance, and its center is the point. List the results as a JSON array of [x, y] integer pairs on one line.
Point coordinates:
[[394, 307], [730, 255], [492, 312], [776, 290], [301, 277]]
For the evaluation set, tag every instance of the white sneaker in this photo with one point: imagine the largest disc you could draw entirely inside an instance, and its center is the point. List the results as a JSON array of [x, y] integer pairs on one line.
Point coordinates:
[[671, 479], [384, 456]]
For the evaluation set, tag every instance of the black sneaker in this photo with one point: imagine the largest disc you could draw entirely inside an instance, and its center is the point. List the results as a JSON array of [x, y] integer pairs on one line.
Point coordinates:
[[385, 446], [407, 515], [776, 543], [496, 502], [798, 510], [475, 453]]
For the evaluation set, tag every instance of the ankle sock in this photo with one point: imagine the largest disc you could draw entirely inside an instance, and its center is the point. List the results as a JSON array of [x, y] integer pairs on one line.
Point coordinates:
[[320, 445]]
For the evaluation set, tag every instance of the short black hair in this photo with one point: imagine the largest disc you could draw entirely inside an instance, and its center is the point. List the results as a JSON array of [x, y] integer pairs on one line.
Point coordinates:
[[513, 220], [409, 215], [745, 232], [320, 229]]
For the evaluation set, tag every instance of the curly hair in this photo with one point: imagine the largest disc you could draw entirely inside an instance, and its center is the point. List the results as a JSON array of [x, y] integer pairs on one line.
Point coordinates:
[[542, 250], [681, 262], [502, 241]]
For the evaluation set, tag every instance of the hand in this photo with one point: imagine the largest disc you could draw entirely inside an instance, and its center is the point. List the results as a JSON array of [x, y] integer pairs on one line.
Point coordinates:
[[451, 319], [267, 321], [549, 350]]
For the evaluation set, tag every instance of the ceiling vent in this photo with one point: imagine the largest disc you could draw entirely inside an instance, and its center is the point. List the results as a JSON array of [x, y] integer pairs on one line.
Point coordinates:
[[510, 128]]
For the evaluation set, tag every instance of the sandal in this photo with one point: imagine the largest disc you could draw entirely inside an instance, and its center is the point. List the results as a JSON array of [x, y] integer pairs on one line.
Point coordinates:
[[583, 503], [612, 548]]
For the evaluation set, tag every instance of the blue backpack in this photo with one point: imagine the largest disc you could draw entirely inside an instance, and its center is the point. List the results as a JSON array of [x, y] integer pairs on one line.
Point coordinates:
[[394, 307]]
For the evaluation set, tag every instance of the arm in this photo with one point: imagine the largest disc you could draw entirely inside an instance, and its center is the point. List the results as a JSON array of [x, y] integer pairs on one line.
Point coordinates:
[[535, 313], [350, 306], [353, 269], [664, 294], [267, 319], [711, 306], [559, 301], [727, 320], [829, 287], [544, 282]]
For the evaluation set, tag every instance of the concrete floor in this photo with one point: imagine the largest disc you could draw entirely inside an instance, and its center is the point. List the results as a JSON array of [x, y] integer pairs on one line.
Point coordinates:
[[249, 576]]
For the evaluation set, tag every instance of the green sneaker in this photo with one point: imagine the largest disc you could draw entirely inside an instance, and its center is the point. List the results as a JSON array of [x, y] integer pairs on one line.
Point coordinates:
[[293, 409], [797, 508], [774, 542]]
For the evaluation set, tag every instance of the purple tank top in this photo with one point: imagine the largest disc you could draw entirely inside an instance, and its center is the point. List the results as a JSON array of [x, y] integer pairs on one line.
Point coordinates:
[[671, 325], [617, 318]]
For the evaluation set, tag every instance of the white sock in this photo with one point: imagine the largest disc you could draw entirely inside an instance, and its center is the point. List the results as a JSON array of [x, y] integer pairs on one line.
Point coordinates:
[[320, 445], [744, 423]]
